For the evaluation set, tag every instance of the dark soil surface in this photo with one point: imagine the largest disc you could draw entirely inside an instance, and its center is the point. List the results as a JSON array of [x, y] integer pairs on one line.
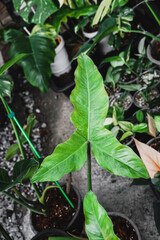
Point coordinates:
[[123, 229], [58, 211]]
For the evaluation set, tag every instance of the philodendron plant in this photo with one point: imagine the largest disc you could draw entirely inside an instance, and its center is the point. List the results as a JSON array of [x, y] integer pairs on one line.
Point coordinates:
[[90, 102]]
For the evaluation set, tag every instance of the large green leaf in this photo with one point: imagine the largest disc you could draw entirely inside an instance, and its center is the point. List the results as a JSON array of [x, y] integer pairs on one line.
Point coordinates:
[[90, 102], [89, 99], [97, 223], [67, 157], [20, 171], [6, 86], [14, 149], [36, 66], [117, 158], [44, 8]]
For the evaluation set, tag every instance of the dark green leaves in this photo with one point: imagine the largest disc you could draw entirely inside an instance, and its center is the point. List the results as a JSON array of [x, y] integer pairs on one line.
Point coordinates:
[[90, 102], [11, 62], [43, 10], [65, 12], [21, 171], [36, 66], [97, 224], [6, 84]]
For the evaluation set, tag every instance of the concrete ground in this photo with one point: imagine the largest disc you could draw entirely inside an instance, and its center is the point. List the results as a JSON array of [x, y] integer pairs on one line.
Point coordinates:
[[113, 192]]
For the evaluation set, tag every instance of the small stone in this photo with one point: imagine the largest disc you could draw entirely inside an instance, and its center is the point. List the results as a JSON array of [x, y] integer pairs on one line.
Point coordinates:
[[44, 125], [38, 110]]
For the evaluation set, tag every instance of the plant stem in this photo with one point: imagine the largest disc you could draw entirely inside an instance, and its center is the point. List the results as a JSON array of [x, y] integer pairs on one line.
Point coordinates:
[[22, 197], [36, 190], [14, 128], [21, 203], [89, 177], [4, 233], [68, 183]]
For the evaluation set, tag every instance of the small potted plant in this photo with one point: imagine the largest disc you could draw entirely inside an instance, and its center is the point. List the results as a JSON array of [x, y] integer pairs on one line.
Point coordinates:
[[25, 168], [123, 100], [123, 130], [88, 117], [145, 95]]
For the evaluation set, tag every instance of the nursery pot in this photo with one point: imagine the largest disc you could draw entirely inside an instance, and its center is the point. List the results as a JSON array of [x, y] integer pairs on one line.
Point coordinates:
[[49, 233], [127, 104], [61, 62], [153, 51], [59, 213], [154, 143], [89, 35], [139, 100], [103, 44], [124, 227]]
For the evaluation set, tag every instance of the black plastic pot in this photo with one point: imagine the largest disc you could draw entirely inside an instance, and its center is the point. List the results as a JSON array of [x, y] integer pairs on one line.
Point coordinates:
[[76, 223], [130, 222], [142, 103], [63, 84], [129, 109], [49, 233]]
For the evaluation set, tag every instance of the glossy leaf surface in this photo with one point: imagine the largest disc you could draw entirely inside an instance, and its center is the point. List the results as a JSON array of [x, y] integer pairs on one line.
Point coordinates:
[[36, 66], [89, 98], [44, 8], [67, 157], [117, 158], [98, 225], [90, 102]]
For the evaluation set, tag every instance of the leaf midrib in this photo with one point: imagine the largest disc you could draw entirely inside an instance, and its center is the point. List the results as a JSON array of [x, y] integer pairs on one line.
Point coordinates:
[[89, 106]]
